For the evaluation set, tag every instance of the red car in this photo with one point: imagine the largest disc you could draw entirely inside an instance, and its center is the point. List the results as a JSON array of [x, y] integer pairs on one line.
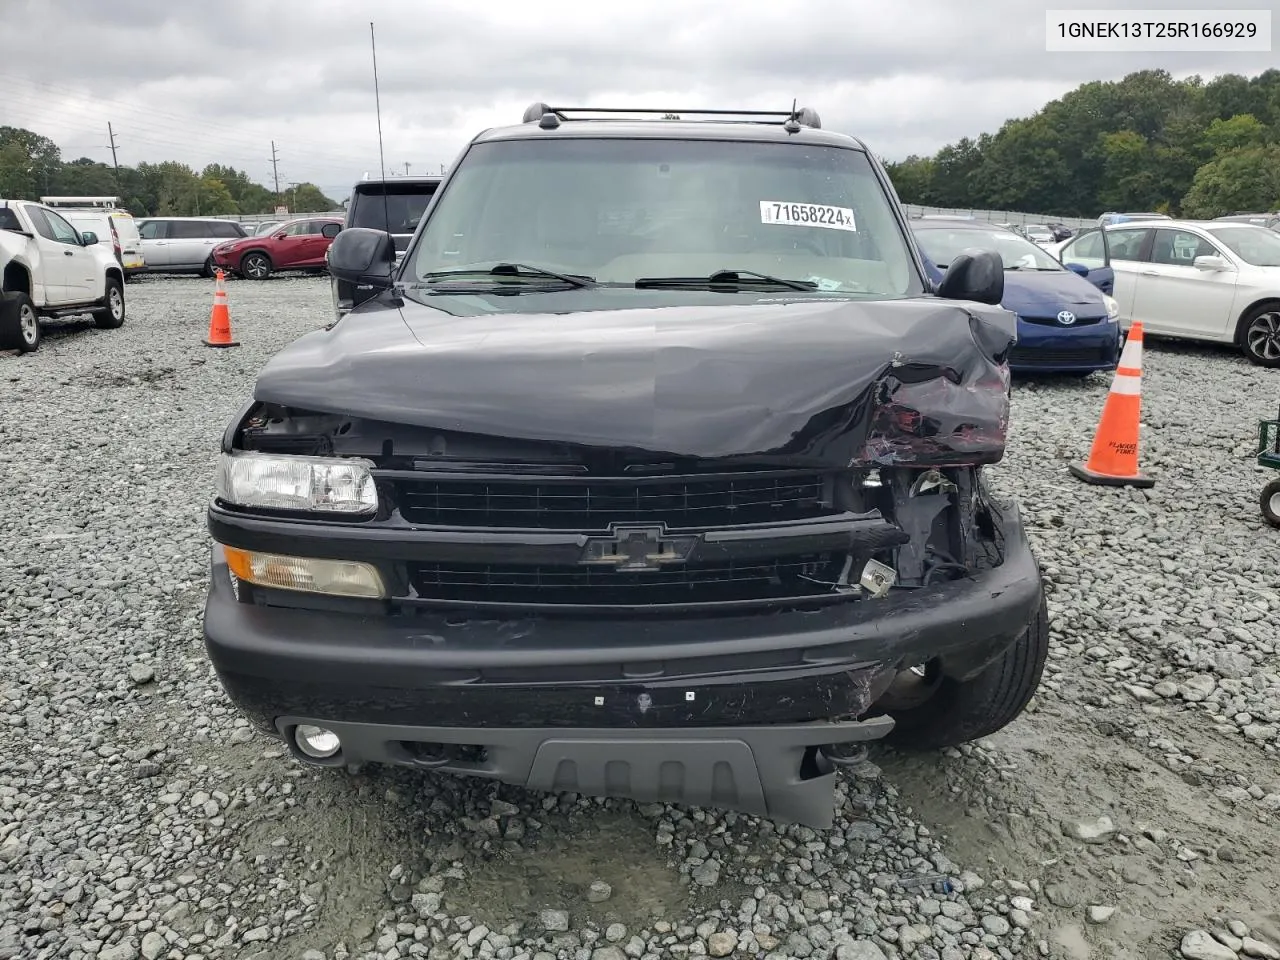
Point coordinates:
[[295, 245]]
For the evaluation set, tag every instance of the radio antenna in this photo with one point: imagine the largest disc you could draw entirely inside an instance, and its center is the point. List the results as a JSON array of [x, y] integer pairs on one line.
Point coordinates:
[[377, 100]]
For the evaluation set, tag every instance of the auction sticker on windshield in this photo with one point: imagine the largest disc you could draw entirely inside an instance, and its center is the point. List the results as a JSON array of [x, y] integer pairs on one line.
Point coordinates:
[[807, 215]]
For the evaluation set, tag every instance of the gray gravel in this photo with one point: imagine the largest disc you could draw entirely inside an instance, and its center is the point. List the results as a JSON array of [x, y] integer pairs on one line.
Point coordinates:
[[1132, 811]]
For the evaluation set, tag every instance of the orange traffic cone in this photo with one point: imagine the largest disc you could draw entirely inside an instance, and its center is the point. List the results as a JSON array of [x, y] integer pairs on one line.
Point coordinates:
[[220, 319], [1113, 461]]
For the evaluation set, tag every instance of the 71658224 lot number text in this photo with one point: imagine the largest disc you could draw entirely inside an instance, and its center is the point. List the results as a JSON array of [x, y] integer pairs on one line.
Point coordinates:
[[807, 215]]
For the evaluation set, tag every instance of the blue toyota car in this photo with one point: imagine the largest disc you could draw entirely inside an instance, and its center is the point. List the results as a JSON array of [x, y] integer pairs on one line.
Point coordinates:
[[1066, 323]]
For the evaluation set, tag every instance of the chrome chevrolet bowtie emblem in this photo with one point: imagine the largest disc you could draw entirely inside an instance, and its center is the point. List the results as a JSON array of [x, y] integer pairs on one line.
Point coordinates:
[[1066, 318], [637, 549]]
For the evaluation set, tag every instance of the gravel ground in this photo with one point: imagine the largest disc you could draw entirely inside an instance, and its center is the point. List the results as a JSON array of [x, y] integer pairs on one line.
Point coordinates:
[[1131, 812]]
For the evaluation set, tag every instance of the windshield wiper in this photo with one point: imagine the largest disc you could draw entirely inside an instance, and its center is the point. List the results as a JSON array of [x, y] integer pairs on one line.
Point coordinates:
[[513, 270], [725, 278]]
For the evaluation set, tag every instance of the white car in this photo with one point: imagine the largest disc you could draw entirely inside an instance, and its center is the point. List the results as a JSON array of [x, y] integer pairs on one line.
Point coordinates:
[[1216, 280], [49, 269], [1039, 234]]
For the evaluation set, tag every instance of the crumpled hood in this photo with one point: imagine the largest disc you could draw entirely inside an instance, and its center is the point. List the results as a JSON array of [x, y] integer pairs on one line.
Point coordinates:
[[834, 381]]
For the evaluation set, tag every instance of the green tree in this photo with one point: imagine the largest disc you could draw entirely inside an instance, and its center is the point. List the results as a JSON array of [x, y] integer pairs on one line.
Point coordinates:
[[1246, 179], [86, 178], [1241, 130], [307, 198], [28, 164], [913, 179]]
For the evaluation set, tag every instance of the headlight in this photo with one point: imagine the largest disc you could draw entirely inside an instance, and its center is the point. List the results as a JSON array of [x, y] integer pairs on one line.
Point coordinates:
[[1113, 307], [312, 484]]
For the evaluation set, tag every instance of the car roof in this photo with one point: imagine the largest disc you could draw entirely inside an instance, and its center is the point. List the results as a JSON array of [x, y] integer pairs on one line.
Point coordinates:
[[611, 123], [432, 180]]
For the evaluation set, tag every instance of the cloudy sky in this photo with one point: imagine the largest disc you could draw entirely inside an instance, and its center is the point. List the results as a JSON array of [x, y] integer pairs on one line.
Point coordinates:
[[219, 82]]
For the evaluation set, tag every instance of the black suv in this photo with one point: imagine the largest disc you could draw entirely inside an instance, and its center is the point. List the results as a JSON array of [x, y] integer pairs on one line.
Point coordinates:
[[653, 470], [393, 204]]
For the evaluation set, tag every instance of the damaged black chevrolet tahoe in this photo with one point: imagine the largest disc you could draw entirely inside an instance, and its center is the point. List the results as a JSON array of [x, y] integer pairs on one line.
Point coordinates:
[[654, 471]]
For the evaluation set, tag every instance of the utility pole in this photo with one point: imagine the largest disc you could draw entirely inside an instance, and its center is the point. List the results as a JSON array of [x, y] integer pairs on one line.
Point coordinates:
[[115, 163], [275, 170], [406, 168]]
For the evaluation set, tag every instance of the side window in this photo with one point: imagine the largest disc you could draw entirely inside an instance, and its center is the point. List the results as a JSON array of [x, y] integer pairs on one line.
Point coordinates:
[[40, 223], [226, 230], [316, 227], [1085, 249], [1179, 248], [188, 230], [298, 229], [63, 232], [1125, 244], [152, 230]]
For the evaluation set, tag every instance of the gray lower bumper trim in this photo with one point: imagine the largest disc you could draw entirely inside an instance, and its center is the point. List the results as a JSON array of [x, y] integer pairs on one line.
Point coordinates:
[[755, 770]]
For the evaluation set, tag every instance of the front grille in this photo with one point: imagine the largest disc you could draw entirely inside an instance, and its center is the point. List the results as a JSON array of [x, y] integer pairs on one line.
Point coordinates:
[[579, 503], [1042, 357], [1053, 321], [720, 582]]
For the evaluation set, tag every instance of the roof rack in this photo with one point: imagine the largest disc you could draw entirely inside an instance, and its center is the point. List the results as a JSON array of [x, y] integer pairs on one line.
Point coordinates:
[[792, 120]]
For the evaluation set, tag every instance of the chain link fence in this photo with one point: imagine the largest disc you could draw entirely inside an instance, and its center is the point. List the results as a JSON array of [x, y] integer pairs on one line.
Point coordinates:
[[998, 216]]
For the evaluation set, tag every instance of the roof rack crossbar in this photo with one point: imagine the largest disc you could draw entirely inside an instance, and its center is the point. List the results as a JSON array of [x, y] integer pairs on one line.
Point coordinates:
[[803, 116]]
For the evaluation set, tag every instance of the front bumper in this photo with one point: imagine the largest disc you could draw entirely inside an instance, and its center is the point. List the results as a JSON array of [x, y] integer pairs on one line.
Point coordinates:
[[1043, 349], [725, 711]]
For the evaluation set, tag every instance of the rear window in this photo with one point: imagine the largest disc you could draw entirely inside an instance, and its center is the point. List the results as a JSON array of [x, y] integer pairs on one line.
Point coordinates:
[[226, 230], [126, 227], [405, 204]]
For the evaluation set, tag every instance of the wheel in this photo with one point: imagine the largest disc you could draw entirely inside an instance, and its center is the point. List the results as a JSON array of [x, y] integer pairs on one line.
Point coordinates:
[[210, 269], [1270, 503], [111, 315], [1260, 335], [19, 323], [931, 711], [255, 266]]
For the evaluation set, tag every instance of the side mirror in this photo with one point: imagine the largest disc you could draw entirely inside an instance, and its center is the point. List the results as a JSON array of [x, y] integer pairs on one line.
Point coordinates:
[[1078, 268], [977, 276], [363, 256], [280, 236], [88, 238], [330, 230], [1214, 264]]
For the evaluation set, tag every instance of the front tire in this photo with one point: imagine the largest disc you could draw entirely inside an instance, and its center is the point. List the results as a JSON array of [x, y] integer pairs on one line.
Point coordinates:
[[1270, 503], [111, 316], [255, 266], [210, 269], [961, 711], [1260, 335], [19, 323]]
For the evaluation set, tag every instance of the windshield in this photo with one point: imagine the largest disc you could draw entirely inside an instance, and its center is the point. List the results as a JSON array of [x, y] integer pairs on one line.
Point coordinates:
[[618, 211], [1254, 245], [1018, 253]]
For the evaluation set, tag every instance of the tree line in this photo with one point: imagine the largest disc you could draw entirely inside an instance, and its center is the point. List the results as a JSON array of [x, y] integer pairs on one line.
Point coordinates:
[[31, 166], [1144, 143]]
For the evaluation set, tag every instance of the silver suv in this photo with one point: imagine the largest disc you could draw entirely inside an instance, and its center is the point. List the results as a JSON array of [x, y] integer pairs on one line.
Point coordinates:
[[184, 244]]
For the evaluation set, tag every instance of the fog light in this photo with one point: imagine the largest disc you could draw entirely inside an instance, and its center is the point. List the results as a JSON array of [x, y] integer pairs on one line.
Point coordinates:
[[316, 741]]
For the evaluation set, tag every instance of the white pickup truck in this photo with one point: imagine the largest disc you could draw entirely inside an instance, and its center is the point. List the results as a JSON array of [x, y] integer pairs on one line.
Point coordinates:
[[48, 269]]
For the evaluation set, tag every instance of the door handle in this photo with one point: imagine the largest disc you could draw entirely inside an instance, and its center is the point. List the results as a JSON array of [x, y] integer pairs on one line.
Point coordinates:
[[67, 253], [1150, 273]]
